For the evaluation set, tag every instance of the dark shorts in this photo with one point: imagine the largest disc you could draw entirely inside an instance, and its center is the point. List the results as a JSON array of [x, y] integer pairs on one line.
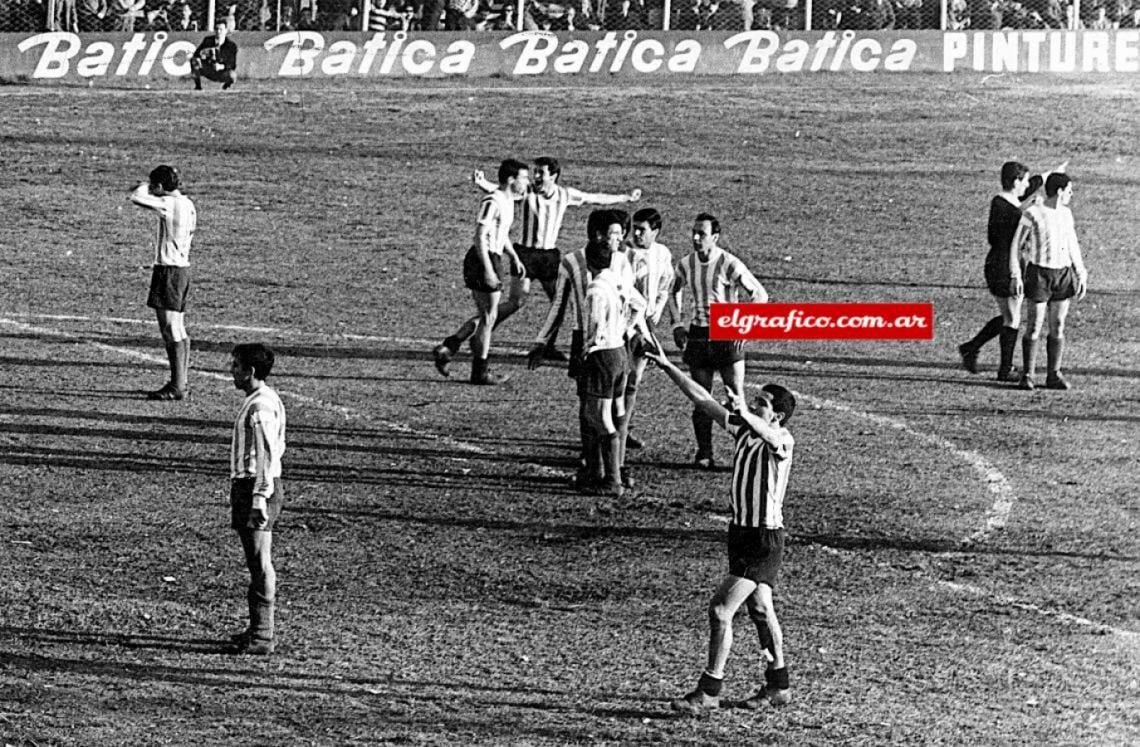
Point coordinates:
[[1043, 284], [996, 271], [473, 271], [210, 72], [169, 287], [701, 352], [577, 345], [755, 553], [241, 498], [603, 374], [541, 264]]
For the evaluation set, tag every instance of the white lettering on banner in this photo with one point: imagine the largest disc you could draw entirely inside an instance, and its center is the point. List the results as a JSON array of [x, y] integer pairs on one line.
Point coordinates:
[[344, 57], [59, 48], [763, 50], [1043, 51], [645, 56]]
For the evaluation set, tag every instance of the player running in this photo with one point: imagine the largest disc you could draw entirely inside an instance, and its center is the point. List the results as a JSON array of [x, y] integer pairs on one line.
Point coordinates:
[[543, 210], [481, 266]]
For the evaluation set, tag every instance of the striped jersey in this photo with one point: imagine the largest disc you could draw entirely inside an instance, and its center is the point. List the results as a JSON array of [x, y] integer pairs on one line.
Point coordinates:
[[652, 277], [724, 278], [1049, 238], [497, 212], [760, 478], [570, 286], [259, 440], [177, 220], [605, 313], [542, 215]]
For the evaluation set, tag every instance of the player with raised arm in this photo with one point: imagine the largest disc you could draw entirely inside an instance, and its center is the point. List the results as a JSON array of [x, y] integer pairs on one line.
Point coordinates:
[[170, 276], [761, 465], [1055, 273], [543, 210], [482, 271], [711, 275]]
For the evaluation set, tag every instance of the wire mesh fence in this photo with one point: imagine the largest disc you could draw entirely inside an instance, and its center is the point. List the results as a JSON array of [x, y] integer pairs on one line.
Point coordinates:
[[84, 16]]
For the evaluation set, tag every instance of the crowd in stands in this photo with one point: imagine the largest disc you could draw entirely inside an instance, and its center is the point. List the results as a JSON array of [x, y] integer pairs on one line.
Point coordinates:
[[558, 15]]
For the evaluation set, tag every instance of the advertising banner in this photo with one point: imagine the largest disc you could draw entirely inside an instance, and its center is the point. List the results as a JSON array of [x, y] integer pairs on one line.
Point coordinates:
[[124, 59]]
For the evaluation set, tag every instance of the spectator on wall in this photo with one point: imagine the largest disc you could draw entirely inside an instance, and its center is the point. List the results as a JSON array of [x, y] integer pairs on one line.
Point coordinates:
[[127, 13], [908, 14], [92, 15]]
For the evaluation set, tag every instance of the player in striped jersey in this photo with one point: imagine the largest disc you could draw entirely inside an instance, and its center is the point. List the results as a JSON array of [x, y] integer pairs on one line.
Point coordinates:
[[653, 275], [711, 274], [543, 210], [170, 276], [761, 464], [1054, 273], [574, 277], [482, 273], [256, 493]]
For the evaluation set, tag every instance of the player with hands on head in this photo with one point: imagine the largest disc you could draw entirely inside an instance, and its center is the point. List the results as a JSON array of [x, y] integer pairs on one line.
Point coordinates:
[[170, 275], [761, 466]]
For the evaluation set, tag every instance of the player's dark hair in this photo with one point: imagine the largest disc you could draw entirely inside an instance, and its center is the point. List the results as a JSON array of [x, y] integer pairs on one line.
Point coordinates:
[[783, 401], [1011, 171], [255, 355], [1055, 182], [551, 165], [598, 255], [650, 216], [510, 168], [713, 222], [166, 177], [600, 220]]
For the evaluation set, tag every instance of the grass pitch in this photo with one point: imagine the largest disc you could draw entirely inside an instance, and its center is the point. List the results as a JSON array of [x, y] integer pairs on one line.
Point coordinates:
[[962, 560]]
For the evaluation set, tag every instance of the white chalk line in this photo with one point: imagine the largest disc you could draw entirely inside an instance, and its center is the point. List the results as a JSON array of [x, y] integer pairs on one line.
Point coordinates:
[[994, 480], [346, 412], [1130, 636]]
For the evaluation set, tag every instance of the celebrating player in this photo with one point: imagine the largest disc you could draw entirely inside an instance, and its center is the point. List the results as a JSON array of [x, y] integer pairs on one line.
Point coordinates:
[[543, 209], [711, 275], [256, 493], [1054, 273], [481, 269], [761, 465], [170, 276]]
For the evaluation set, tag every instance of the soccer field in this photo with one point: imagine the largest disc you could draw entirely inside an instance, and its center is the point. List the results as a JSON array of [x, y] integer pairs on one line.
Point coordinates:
[[962, 563]]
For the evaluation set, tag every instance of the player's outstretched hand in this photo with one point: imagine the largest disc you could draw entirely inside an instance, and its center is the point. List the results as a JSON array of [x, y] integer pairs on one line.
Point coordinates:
[[534, 356], [680, 337], [735, 402], [657, 355]]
